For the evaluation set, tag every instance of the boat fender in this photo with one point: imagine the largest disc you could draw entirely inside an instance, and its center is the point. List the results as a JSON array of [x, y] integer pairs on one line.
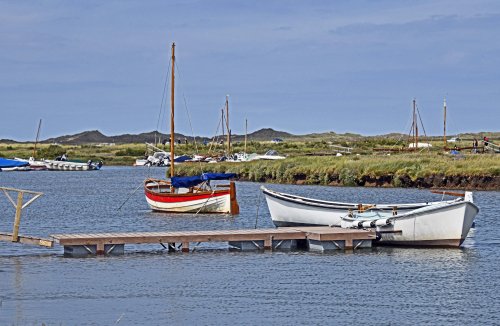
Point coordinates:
[[360, 225], [383, 222], [367, 224]]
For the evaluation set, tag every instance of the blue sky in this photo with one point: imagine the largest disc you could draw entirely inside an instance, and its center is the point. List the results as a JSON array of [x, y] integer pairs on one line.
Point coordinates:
[[297, 66]]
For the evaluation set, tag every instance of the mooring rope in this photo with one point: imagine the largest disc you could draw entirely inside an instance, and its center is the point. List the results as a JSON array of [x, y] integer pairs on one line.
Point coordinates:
[[130, 195], [206, 201], [163, 98]]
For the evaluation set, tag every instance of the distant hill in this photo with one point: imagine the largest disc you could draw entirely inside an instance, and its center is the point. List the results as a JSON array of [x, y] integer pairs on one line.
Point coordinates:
[[96, 137], [265, 134]]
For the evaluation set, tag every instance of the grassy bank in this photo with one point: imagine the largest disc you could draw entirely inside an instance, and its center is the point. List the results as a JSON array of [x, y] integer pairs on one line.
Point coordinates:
[[425, 170], [422, 169]]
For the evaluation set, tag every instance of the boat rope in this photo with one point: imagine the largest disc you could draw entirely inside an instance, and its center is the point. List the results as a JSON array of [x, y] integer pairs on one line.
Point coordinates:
[[420, 118], [189, 120], [206, 201], [401, 135], [423, 128], [215, 138], [192, 133], [130, 195], [161, 114]]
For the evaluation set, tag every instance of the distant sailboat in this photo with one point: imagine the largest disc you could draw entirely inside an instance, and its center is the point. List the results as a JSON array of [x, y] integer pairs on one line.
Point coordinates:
[[191, 194]]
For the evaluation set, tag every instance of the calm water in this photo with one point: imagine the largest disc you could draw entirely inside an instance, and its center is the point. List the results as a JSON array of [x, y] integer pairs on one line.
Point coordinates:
[[213, 286]]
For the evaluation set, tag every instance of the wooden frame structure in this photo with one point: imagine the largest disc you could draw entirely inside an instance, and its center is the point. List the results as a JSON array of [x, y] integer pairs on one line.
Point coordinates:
[[19, 206]]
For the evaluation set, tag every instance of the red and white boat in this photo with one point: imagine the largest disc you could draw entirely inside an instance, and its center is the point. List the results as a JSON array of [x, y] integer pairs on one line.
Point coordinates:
[[192, 194], [161, 195]]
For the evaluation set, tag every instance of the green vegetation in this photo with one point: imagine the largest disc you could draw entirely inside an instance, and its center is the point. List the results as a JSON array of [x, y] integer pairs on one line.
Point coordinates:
[[365, 166], [350, 170]]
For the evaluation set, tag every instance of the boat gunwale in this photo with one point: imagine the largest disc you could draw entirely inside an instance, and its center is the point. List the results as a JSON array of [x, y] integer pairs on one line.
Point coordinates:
[[187, 194], [342, 205], [412, 214]]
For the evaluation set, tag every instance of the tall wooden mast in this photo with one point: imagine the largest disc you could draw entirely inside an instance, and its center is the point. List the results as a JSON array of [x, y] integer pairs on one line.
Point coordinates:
[[36, 140], [172, 140], [415, 123], [444, 126], [246, 132], [227, 127]]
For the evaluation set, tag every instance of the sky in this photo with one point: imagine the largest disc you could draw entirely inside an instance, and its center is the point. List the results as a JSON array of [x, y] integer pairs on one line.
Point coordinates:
[[295, 66]]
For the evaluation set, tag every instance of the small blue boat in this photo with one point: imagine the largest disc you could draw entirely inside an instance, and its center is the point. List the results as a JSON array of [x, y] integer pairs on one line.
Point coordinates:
[[6, 163]]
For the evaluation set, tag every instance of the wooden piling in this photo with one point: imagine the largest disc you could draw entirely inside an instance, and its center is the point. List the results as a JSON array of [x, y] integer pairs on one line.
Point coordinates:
[[17, 220]]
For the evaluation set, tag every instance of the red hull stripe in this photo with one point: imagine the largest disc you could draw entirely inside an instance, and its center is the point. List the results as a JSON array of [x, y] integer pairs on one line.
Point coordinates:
[[168, 198]]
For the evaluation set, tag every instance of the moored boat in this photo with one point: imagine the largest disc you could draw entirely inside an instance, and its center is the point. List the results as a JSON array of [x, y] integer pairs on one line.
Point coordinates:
[[191, 194], [56, 165], [292, 210], [442, 224], [13, 165]]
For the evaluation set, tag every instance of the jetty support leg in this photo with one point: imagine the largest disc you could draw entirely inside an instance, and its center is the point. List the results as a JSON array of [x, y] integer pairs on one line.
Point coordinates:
[[268, 243], [80, 251], [346, 244], [100, 249], [185, 247]]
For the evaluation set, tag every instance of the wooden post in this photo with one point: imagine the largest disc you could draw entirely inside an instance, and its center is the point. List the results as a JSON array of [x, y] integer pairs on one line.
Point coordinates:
[[36, 140], [268, 243], [415, 123], [185, 247], [444, 126], [234, 207], [17, 221], [227, 127], [348, 244], [246, 132], [19, 208], [99, 248], [172, 130]]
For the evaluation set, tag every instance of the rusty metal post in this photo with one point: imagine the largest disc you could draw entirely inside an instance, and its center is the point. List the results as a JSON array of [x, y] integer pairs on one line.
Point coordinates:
[[17, 221]]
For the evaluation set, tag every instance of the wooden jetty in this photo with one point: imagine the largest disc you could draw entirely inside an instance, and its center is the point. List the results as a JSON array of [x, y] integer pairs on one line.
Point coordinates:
[[287, 238], [312, 238]]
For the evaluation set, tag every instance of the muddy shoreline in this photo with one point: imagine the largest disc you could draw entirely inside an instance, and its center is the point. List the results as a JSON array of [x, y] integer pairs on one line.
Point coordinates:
[[461, 182]]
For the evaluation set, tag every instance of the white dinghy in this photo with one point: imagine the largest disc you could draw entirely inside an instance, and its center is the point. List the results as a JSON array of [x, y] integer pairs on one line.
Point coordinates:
[[292, 210]]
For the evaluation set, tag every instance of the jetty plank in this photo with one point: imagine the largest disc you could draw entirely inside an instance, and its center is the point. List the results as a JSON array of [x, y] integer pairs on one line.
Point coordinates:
[[28, 240], [185, 237]]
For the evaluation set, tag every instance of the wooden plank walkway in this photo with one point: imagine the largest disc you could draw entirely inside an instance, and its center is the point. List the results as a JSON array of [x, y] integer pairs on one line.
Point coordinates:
[[27, 240], [100, 240]]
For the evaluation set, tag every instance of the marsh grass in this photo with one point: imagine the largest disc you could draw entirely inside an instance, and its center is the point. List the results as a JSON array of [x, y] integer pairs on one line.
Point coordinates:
[[297, 167], [348, 169]]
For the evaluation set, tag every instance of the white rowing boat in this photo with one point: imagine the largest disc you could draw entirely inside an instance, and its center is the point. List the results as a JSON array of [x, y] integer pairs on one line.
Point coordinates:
[[292, 210]]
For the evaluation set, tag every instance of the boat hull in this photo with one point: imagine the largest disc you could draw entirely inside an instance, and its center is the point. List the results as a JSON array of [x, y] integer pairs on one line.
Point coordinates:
[[289, 213], [444, 225], [159, 198], [53, 165], [290, 210]]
